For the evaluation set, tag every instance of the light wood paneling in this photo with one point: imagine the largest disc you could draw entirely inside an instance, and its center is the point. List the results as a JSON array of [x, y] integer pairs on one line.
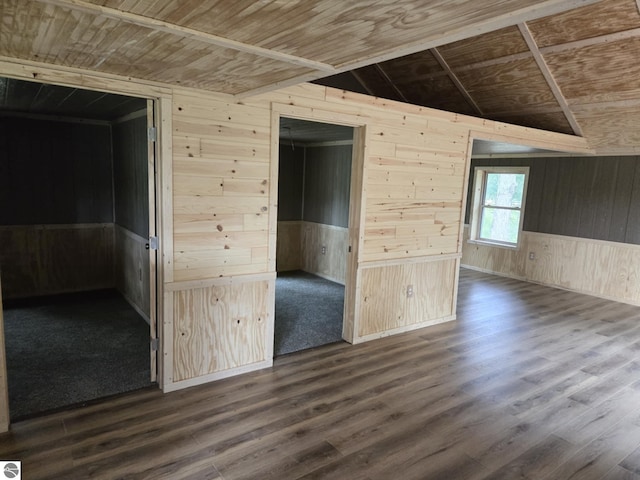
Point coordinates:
[[51, 259], [604, 269], [220, 328], [132, 269], [333, 263], [289, 246], [221, 187], [387, 307]]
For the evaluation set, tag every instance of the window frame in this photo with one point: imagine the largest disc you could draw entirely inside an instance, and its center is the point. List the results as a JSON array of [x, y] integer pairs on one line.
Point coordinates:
[[478, 207]]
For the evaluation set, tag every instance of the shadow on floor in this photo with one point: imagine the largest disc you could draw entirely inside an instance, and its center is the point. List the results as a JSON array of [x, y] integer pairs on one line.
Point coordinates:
[[69, 349], [309, 312]]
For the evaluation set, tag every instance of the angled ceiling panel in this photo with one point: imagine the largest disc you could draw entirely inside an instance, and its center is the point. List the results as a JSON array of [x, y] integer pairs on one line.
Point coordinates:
[[508, 87], [612, 128], [607, 71], [604, 17], [482, 48], [554, 121]]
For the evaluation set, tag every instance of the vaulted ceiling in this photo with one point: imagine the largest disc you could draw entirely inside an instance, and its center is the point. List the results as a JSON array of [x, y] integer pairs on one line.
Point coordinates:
[[571, 66], [576, 72]]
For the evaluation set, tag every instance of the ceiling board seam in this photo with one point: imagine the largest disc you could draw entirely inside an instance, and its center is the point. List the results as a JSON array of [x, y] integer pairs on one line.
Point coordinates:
[[394, 87], [588, 42], [454, 78], [551, 81], [586, 107], [510, 18], [361, 81], [185, 32]]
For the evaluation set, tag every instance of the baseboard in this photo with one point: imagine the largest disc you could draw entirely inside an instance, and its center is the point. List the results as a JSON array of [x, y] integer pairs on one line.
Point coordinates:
[[404, 329], [212, 377]]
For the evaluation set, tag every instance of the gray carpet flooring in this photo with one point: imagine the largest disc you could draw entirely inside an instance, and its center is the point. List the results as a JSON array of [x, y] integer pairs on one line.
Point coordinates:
[[309, 312], [71, 349]]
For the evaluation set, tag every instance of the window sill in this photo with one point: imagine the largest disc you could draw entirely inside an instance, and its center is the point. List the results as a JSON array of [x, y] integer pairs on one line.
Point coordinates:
[[487, 243]]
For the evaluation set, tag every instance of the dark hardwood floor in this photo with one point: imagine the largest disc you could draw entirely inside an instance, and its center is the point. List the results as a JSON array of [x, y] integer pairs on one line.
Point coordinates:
[[529, 383]]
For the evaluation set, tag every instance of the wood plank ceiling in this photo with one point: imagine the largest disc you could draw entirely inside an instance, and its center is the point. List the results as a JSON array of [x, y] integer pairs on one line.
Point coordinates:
[[563, 65]]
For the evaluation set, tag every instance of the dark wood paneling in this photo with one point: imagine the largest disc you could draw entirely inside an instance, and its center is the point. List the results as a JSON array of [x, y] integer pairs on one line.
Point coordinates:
[[536, 183], [327, 185], [130, 175], [54, 172], [622, 198], [588, 197], [290, 180], [632, 234]]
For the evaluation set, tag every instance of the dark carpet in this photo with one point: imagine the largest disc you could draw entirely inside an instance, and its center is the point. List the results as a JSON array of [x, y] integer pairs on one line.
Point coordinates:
[[308, 312], [70, 349]]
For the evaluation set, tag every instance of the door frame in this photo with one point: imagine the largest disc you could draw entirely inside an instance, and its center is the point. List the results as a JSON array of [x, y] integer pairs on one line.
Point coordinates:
[[350, 315], [161, 177]]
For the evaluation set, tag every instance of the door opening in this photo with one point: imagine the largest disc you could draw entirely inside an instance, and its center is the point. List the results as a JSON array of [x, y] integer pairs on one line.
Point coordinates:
[[76, 211], [315, 164]]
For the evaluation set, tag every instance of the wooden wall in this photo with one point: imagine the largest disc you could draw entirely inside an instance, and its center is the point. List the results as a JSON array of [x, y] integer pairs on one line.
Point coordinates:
[[313, 188], [51, 259], [131, 210], [225, 219], [290, 183], [327, 177], [130, 175], [56, 206], [594, 267], [587, 197], [218, 173], [54, 172], [582, 226]]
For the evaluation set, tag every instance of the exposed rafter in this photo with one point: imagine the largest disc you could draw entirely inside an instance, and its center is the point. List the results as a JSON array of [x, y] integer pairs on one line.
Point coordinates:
[[454, 78], [361, 81], [392, 84], [162, 26], [553, 85]]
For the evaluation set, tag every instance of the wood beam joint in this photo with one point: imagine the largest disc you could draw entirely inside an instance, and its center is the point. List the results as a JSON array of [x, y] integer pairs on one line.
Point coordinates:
[[189, 33], [551, 81]]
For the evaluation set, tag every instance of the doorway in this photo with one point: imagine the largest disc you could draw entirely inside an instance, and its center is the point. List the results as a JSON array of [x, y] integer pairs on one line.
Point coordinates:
[[76, 213], [315, 164]]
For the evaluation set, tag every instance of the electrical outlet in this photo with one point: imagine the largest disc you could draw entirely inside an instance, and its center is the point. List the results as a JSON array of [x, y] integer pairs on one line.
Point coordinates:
[[532, 255], [324, 250], [409, 291]]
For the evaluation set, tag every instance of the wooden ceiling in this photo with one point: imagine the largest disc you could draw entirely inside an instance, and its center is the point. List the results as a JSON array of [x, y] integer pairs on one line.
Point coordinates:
[[563, 65], [577, 72]]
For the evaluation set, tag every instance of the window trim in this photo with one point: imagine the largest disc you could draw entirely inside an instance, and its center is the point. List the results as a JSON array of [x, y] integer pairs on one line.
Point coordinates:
[[477, 208]]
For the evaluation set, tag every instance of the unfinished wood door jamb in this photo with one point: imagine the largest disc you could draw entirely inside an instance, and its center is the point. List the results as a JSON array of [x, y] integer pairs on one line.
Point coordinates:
[[356, 201]]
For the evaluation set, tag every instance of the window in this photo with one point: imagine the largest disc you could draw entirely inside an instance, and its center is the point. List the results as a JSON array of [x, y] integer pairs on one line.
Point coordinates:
[[498, 204]]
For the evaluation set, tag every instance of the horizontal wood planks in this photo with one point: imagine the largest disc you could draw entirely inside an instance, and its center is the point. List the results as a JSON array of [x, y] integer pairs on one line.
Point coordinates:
[[604, 269], [50, 259], [415, 164]]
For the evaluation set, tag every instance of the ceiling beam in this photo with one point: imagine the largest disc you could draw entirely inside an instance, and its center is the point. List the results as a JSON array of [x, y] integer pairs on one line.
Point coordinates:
[[361, 81], [437, 38], [472, 29], [185, 32], [387, 79], [454, 78], [551, 81]]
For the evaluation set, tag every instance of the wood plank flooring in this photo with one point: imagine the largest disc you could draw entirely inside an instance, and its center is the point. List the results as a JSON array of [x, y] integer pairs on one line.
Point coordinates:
[[529, 383]]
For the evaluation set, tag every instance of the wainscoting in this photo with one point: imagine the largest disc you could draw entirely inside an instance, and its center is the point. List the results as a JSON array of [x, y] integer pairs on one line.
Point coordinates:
[[594, 267]]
